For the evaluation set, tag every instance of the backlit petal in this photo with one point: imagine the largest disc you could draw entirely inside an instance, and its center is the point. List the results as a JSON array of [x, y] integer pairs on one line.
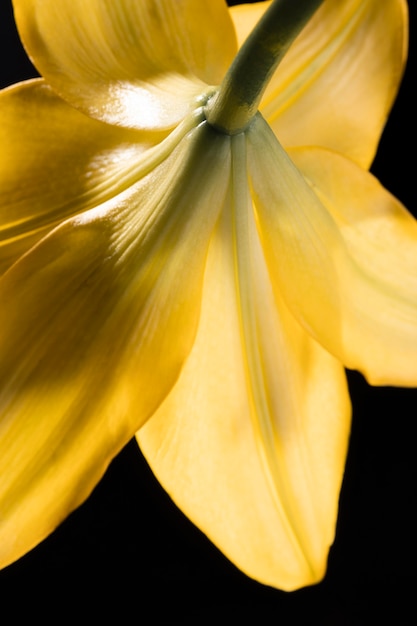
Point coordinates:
[[136, 64], [96, 322], [380, 300], [343, 252], [251, 441], [54, 163], [336, 85]]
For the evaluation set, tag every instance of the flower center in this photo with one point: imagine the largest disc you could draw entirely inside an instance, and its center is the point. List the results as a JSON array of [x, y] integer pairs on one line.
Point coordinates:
[[234, 105]]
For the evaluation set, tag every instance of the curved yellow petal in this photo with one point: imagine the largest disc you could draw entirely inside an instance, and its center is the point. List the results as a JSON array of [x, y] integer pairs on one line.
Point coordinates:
[[54, 163], [379, 299], [343, 253], [96, 322], [251, 441], [136, 64], [337, 83], [303, 246]]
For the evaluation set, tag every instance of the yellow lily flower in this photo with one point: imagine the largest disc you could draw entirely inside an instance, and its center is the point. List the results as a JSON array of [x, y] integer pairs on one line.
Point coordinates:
[[169, 272]]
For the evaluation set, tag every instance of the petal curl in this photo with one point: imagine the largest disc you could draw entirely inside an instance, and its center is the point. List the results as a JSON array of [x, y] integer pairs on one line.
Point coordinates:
[[336, 85], [135, 64], [343, 253], [54, 163], [251, 441], [380, 297], [96, 323]]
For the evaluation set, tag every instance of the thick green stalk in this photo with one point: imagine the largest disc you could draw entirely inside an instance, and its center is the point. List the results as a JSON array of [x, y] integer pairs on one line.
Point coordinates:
[[232, 108]]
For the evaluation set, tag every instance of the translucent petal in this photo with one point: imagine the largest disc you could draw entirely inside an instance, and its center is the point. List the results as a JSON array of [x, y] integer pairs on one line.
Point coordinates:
[[337, 83], [251, 441], [380, 297], [54, 163], [96, 322], [343, 253], [135, 64]]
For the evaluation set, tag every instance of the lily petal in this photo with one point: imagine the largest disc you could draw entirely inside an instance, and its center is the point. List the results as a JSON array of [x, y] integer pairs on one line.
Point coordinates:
[[343, 252], [251, 441], [380, 300], [135, 64], [337, 83], [54, 163], [96, 322]]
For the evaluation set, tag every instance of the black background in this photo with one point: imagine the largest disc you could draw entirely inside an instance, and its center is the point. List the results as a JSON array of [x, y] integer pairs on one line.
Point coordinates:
[[128, 554]]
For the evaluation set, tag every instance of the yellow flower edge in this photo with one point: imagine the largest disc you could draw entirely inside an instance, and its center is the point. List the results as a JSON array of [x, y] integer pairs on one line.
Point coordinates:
[[203, 290]]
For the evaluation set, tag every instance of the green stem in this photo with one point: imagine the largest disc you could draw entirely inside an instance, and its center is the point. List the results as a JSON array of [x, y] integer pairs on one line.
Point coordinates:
[[232, 108]]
